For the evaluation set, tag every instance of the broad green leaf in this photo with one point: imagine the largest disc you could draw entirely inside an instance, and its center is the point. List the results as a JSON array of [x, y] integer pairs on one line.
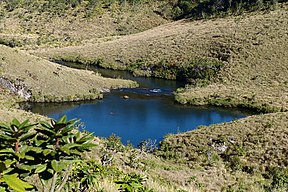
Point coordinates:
[[25, 123], [9, 150], [77, 135], [65, 150], [71, 145], [41, 168], [25, 167], [5, 127], [46, 125], [9, 162], [58, 166], [87, 146], [15, 122], [15, 183], [2, 166], [47, 151], [75, 152], [45, 131], [35, 149], [7, 138], [27, 136], [63, 119], [67, 129], [23, 149], [86, 138], [8, 170], [28, 157], [39, 141], [20, 155]]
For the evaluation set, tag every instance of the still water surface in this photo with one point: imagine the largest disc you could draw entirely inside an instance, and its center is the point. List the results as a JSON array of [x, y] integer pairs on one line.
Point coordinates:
[[150, 111]]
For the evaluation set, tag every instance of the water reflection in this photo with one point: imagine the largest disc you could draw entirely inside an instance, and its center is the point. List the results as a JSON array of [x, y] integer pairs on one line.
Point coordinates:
[[150, 111], [137, 119]]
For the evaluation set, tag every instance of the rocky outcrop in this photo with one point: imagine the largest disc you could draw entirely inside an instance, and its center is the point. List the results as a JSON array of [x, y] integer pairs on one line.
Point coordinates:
[[18, 89]]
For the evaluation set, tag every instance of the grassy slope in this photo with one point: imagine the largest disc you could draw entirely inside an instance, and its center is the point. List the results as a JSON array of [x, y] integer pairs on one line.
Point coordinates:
[[8, 108], [30, 29], [254, 49], [52, 82], [252, 46], [47, 81], [262, 138]]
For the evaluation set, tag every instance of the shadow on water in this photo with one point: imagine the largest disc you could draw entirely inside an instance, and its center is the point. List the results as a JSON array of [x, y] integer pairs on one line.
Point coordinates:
[[150, 111]]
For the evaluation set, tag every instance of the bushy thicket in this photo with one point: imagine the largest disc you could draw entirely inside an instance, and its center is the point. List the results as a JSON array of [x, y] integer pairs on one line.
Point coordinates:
[[207, 8], [181, 8], [58, 6]]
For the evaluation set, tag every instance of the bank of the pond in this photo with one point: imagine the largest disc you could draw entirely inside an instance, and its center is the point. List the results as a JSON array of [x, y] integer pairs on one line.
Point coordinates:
[[137, 114], [244, 58], [39, 80]]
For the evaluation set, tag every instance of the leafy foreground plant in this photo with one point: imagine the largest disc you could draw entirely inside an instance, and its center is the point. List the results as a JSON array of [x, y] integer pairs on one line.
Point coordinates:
[[47, 150], [132, 183]]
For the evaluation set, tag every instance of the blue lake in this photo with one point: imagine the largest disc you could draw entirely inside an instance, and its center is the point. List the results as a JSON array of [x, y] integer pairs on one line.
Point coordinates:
[[150, 112]]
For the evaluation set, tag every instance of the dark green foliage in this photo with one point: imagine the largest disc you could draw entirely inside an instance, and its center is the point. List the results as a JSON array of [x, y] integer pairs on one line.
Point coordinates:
[[132, 183], [84, 176], [15, 160], [113, 143], [207, 8], [278, 176], [59, 7], [199, 69], [10, 42], [46, 149]]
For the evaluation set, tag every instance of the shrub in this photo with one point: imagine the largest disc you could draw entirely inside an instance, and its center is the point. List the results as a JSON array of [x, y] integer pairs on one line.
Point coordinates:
[[131, 183], [278, 176], [45, 149], [211, 8]]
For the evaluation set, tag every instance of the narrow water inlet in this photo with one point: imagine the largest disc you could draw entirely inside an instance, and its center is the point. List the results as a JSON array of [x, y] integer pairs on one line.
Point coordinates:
[[137, 114]]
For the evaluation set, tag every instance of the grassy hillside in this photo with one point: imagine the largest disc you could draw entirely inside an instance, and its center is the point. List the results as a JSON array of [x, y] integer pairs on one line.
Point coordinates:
[[237, 61], [58, 23], [253, 147], [23, 75], [8, 108], [49, 82], [249, 50]]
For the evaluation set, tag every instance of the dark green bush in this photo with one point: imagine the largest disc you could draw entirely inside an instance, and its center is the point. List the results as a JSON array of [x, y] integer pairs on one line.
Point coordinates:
[[45, 149], [207, 8]]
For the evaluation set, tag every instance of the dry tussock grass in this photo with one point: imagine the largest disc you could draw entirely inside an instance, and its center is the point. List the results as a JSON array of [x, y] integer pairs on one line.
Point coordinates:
[[47, 82], [52, 82], [253, 47], [75, 26], [262, 138]]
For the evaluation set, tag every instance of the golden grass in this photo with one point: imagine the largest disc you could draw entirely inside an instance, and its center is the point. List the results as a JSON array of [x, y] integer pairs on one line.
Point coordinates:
[[253, 47], [52, 82], [48, 82], [74, 27], [263, 139]]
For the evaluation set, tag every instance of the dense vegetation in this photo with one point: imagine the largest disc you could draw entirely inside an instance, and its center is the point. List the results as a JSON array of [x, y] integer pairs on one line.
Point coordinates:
[[207, 8], [50, 156], [62, 5], [179, 8], [47, 149], [247, 54]]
